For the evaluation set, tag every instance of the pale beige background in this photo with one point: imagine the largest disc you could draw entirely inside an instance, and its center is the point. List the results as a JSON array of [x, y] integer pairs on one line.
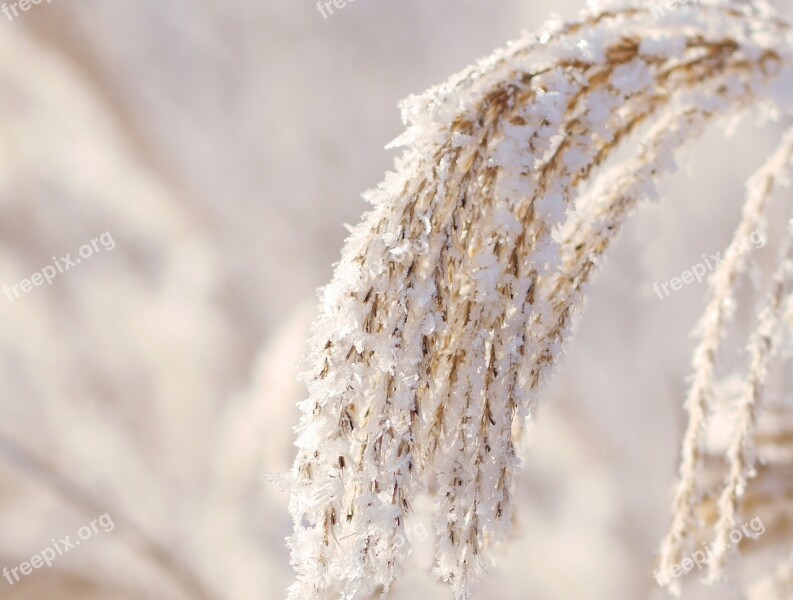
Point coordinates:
[[224, 144]]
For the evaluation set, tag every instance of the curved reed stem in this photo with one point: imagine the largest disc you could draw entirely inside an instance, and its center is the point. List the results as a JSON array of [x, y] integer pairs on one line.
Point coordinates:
[[454, 297], [711, 327]]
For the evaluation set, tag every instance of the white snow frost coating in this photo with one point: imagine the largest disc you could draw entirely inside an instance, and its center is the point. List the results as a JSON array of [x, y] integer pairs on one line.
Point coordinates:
[[453, 297]]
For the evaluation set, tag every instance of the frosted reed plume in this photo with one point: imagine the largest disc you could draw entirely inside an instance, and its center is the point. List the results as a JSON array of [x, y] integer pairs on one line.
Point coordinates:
[[718, 312], [761, 348], [454, 297]]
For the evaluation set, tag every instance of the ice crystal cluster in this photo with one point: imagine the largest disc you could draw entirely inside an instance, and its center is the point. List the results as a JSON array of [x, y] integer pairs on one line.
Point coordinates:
[[455, 296]]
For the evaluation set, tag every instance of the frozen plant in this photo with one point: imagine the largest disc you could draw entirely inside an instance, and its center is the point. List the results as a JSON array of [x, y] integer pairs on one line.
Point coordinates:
[[454, 297]]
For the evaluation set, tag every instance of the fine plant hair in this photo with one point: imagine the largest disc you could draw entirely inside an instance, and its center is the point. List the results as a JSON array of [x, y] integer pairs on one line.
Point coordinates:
[[455, 296]]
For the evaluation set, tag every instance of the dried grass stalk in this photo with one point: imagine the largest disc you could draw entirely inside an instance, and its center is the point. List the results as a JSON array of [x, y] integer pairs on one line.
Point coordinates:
[[455, 295], [711, 329], [761, 348]]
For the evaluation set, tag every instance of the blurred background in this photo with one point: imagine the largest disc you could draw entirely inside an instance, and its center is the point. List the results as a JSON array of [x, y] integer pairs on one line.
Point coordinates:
[[223, 145]]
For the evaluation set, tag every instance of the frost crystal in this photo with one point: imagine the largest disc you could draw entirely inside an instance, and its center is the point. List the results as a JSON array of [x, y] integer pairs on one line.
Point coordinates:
[[453, 298]]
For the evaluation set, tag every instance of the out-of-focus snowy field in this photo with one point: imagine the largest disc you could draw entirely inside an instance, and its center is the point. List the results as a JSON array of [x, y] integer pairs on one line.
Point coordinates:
[[223, 145]]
